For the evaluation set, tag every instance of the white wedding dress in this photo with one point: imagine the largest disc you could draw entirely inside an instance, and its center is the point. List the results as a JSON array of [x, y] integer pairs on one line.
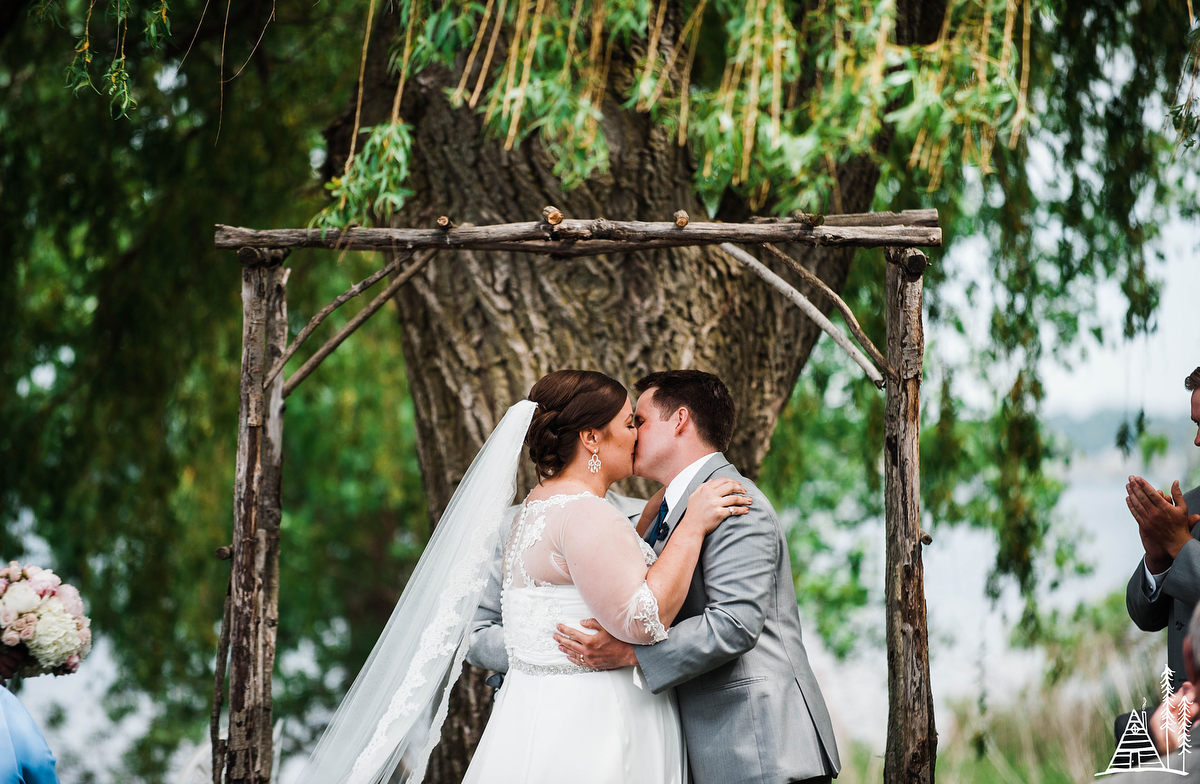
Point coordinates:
[[571, 557]]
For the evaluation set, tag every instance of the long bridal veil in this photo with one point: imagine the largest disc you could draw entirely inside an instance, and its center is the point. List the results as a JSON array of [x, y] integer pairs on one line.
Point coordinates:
[[392, 717]]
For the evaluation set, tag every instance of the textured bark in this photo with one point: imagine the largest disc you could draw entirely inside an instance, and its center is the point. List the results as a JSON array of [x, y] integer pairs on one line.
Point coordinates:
[[254, 581], [912, 738], [480, 327]]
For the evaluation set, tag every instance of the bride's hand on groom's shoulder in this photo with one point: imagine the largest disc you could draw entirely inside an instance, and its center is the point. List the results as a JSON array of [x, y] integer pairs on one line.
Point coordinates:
[[714, 502]]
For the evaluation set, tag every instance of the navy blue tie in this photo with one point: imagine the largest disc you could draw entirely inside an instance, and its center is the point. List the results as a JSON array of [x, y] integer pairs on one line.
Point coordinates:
[[658, 531]]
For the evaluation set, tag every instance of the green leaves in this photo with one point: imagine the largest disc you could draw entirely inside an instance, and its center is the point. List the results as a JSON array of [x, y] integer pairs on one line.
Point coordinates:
[[373, 187]]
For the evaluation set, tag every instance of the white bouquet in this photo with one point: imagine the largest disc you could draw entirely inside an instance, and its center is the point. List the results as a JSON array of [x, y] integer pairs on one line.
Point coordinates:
[[40, 613]]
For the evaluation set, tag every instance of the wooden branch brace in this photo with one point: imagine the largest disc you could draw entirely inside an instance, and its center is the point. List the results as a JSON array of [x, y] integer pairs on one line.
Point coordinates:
[[847, 315], [809, 309], [581, 237], [359, 319], [356, 290]]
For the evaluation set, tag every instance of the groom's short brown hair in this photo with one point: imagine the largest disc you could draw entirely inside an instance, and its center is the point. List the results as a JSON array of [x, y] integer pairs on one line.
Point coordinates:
[[1192, 382], [702, 394]]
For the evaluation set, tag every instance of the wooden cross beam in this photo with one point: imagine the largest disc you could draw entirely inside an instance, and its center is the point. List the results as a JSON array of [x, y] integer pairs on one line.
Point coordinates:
[[569, 238]]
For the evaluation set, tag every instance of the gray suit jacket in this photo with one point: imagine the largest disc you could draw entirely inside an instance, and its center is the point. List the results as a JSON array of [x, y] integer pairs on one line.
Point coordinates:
[[487, 649], [1174, 598], [751, 708]]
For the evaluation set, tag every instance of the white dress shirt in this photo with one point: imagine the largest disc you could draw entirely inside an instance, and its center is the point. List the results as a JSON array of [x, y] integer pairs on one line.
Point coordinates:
[[681, 481], [1153, 580]]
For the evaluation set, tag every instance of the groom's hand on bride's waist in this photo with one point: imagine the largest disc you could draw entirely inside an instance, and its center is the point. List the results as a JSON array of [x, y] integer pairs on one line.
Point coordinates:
[[599, 651]]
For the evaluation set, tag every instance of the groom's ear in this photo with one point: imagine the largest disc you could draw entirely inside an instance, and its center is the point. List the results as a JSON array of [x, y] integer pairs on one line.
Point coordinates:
[[682, 417]]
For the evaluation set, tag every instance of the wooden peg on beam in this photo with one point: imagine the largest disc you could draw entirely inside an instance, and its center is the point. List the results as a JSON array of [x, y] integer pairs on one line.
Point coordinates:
[[552, 215], [444, 223], [681, 219]]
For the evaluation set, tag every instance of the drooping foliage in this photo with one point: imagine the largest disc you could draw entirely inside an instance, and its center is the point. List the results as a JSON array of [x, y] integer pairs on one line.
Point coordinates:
[[1041, 127]]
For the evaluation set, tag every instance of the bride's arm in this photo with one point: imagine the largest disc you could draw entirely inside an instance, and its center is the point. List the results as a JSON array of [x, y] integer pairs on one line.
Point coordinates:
[[671, 575], [605, 562]]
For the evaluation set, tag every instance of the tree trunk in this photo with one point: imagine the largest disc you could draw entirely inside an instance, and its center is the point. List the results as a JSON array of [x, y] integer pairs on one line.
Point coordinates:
[[479, 328]]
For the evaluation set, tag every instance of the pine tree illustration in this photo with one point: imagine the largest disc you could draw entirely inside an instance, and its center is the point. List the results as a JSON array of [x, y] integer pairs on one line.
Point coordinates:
[[1167, 719], [1183, 731]]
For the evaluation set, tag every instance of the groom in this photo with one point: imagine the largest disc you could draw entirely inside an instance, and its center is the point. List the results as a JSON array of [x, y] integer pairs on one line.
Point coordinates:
[[750, 706]]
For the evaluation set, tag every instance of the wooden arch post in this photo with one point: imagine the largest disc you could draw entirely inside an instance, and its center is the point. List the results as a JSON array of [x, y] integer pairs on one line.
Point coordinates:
[[911, 736], [247, 753]]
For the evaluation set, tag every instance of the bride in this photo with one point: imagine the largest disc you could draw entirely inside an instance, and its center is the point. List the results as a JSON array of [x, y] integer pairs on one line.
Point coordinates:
[[569, 556]]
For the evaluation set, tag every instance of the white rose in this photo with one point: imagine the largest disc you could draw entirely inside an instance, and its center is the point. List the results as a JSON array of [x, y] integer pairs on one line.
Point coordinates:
[[57, 638], [21, 598]]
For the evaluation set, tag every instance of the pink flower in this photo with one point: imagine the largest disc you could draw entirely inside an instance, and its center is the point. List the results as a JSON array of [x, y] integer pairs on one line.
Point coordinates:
[[72, 601], [8, 616], [72, 663], [85, 637], [43, 581], [20, 624], [10, 638], [28, 632], [31, 570], [3, 585]]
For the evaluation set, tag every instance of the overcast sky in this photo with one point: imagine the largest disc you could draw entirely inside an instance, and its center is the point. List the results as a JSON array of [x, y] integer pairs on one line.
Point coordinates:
[[1122, 375], [1147, 371]]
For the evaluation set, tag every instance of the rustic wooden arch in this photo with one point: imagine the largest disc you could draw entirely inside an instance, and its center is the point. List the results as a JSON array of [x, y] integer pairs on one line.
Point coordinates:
[[250, 617]]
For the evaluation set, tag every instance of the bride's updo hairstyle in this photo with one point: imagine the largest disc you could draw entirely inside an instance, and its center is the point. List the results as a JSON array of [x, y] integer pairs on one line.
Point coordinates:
[[569, 401]]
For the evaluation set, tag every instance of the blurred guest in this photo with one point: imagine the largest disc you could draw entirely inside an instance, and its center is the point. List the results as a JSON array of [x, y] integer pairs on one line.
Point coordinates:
[[1166, 583], [24, 756], [1165, 586]]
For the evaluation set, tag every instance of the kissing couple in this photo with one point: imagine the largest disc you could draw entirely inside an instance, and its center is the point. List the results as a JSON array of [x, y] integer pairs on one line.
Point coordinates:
[[659, 647]]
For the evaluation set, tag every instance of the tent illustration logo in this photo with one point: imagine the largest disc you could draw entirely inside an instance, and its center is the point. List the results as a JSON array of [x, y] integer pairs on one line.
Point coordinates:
[[1136, 752]]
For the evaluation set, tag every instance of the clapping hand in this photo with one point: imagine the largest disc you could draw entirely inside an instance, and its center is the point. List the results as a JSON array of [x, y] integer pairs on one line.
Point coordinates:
[[1164, 525]]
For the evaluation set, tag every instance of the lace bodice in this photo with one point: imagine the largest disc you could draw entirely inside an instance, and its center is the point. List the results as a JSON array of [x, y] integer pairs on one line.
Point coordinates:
[[571, 557]]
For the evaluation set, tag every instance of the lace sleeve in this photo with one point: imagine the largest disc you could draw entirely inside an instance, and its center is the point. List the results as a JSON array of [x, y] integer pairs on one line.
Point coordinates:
[[607, 562], [647, 614]]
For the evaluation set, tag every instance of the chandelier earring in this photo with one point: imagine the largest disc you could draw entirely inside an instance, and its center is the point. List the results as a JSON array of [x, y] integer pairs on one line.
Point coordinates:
[[594, 463]]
